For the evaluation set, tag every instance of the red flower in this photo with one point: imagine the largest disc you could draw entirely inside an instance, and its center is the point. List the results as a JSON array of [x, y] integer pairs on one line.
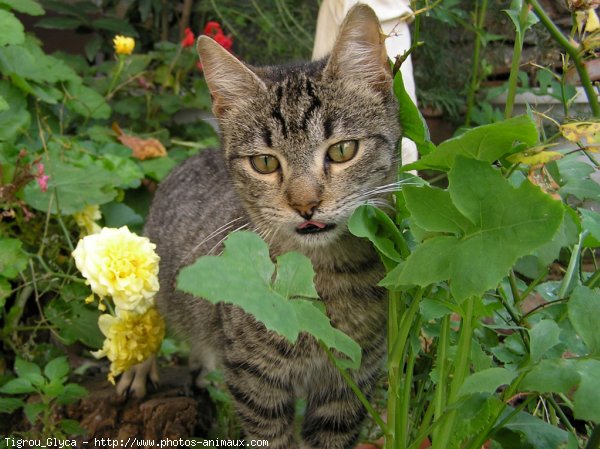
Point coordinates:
[[213, 29], [189, 38]]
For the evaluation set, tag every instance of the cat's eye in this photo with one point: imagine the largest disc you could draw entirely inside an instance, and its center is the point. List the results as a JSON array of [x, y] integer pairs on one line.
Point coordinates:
[[342, 151], [264, 163]]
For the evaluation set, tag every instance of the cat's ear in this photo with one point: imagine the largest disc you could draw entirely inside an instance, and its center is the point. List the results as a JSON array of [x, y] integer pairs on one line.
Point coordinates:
[[229, 81], [359, 50]]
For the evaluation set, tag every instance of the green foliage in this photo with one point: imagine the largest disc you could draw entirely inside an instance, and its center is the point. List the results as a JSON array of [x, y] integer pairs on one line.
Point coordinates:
[[49, 387], [485, 143], [479, 209], [278, 295], [61, 152]]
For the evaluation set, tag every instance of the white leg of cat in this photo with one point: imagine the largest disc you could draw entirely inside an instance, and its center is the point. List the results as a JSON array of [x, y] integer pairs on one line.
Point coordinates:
[[203, 360], [135, 379]]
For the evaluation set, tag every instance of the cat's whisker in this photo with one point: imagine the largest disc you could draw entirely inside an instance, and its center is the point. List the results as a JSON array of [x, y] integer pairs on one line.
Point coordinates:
[[224, 238], [382, 204], [219, 230]]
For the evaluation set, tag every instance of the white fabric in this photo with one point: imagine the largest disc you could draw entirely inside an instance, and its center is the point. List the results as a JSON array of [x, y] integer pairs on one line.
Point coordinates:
[[392, 15]]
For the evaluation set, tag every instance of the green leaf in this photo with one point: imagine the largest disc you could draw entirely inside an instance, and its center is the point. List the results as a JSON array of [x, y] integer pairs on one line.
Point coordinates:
[[54, 389], [157, 169], [475, 413], [421, 201], [59, 23], [432, 309], [128, 174], [485, 143], [115, 25], [533, 432], [29, 371], [5, 290], [30, 7], [76, 321], [514, 13], [3, 104], [586, 400], [551, 376], [71, 427], [57, 369], [29, 62], [295, 276], [567, 235], [86, 101], [118, 214], [17, 386], [312, 320], [575, 179], [12, 258], [16, 118], [9, 405], [13, 32], [372, 223], [543, 336], [75, 186], [590, 220], [412, 122], [72, 393], [584, 310], [243, 276], [507, 223], [33, 409], [487, 381]]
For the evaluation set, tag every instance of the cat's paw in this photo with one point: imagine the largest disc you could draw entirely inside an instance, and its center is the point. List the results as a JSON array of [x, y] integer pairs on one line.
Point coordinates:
[[134, 381]]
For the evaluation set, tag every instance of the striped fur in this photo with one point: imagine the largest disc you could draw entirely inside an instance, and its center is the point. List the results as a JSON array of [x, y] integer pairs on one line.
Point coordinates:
[[293, 113]]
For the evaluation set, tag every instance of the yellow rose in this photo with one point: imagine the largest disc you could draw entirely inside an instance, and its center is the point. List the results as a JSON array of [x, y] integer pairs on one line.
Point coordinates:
[[86, 219], [120, 264], [123, 45], [130, 339]]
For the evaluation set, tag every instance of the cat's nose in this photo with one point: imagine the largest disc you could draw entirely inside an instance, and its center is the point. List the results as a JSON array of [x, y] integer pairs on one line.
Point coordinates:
[[306, 210]]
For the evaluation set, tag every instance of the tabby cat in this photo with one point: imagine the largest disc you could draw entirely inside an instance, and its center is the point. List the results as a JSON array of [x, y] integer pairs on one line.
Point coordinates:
[[303, 146]]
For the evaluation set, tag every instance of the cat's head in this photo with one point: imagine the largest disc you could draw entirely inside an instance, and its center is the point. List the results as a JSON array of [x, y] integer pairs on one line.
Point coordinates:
[[306, 144]]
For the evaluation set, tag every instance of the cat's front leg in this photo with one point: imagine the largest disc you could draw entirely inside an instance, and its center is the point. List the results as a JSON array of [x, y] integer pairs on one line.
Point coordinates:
[[264, 404], [134, 380]]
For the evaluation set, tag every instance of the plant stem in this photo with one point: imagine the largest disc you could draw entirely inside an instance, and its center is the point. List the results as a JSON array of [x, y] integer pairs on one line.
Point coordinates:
[[440, 390], [561, 415], [402, 431], [354, 387], [120, 65], [474, 84], [593, 280], [571, 274], [461, 369], [594, 441], [573, 53], [516, 61]]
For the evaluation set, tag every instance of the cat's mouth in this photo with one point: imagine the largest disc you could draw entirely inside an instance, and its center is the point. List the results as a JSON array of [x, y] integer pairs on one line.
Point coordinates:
[[312, 227]]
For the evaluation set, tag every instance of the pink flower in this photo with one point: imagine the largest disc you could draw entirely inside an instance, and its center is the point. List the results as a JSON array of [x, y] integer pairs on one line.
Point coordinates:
[[42, 178]]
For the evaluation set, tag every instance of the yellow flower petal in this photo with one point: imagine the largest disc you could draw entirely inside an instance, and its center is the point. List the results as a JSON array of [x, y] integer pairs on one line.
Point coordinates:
[[123, 45], [120, 264], [130, 338], [592, 23], [86, 219]]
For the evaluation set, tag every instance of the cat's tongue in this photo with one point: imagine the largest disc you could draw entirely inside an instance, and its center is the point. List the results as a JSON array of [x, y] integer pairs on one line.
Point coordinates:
[[309, 223]]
